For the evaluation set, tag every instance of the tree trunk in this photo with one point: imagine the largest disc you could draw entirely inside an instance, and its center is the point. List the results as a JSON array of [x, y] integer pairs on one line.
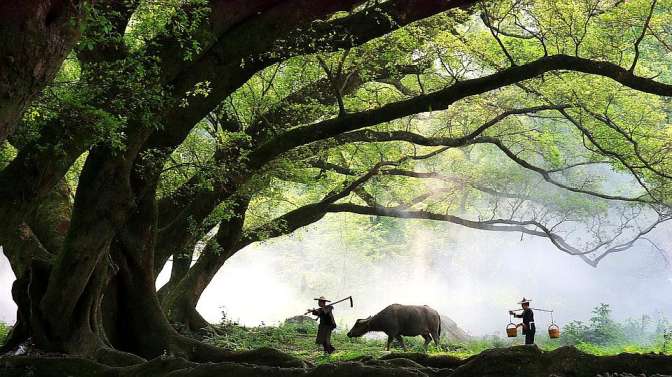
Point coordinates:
[[34, 242], [60, 299], [83, 335], [138, 324], [179, 300], [35, 37], [117, 319]]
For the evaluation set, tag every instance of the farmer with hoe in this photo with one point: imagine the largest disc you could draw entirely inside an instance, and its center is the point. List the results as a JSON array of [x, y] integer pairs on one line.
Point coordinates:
[[327, 324], [528, 320]]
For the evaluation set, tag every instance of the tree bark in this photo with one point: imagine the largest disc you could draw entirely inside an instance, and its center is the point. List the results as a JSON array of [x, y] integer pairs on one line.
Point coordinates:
[[35, 37], [180, 299]]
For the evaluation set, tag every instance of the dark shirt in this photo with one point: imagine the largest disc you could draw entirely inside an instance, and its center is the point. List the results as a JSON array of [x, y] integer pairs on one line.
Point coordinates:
[[528, 316], [326, 316]]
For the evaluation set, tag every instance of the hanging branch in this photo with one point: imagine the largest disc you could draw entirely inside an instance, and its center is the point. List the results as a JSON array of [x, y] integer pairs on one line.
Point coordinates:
[[586, 133], [635, 145], [548, 178], [333, 80], [494, 31], [641, 36], [504, 225]]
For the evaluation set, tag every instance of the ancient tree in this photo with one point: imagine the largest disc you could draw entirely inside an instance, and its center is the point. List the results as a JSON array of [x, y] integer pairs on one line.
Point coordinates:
[[231, 122]]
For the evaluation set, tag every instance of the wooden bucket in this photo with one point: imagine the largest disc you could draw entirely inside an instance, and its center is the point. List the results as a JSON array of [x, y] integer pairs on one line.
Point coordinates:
[[553, 331], [511, 330]]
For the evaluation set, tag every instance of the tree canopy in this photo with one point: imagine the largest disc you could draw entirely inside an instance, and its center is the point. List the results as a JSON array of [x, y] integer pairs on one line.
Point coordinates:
[[223, 123]]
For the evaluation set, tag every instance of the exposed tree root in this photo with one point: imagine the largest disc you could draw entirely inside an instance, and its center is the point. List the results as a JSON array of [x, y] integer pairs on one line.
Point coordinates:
[[202, 353], [115, 358], [522, 361], [21, 366], [442, 361]]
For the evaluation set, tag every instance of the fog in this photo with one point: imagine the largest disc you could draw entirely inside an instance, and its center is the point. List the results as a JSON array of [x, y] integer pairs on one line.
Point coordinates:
[[472, 276], [7, 306]]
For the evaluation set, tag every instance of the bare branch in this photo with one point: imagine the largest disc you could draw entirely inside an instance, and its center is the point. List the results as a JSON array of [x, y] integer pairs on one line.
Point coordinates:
[[495, 33], [641, 36], [547, 176], [503, 225]]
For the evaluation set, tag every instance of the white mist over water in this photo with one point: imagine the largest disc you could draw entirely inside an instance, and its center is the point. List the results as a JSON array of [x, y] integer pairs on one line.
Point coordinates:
[[472, 276]]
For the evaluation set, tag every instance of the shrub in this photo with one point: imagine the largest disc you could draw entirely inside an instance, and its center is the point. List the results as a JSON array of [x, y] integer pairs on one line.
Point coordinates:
[[4, 331], [601, 330]]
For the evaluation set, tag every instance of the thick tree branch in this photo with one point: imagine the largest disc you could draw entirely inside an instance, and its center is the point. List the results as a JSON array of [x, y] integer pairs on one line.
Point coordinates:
[[309, 213], [283, 115], [36, 37], [290, 34], [442, 99]]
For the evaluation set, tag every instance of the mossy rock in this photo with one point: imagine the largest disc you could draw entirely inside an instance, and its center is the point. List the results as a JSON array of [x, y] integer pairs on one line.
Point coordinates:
[[530, 361]]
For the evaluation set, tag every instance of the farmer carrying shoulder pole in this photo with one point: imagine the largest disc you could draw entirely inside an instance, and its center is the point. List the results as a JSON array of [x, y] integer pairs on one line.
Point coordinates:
[[327, 324], [528, 320]]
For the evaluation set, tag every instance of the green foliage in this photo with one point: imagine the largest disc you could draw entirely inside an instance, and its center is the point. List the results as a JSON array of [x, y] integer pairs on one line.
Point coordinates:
[[474, 181], [602, 334], [170, 19], [7, 154], [4, 331]]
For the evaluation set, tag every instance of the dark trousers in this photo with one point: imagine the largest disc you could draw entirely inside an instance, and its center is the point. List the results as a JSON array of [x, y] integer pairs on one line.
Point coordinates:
[[324, 338], [328, 348], [529, 334], [529, 337]]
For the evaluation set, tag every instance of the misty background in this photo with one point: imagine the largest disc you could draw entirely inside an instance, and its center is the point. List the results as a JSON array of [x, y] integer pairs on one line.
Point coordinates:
[[472, 276]]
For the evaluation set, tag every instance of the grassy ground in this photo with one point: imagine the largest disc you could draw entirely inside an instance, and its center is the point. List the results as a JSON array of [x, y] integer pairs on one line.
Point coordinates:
[[4, 330], [298, 340]]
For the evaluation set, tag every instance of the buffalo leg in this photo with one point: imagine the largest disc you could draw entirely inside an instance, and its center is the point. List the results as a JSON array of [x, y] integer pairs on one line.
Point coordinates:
[[436, 337], [389, 341], [401, 341], [428, 339]]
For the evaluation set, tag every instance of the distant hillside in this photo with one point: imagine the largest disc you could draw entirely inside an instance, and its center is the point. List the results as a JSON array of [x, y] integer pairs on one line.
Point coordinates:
[[451, 332]]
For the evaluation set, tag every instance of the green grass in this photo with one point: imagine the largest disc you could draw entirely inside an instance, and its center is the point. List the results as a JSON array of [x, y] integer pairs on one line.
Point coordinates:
[[616, 349], [299, 340], [4, 331]]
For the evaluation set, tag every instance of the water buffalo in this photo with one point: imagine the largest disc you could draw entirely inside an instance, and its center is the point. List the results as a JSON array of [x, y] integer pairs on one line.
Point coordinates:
[[402, 320]]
